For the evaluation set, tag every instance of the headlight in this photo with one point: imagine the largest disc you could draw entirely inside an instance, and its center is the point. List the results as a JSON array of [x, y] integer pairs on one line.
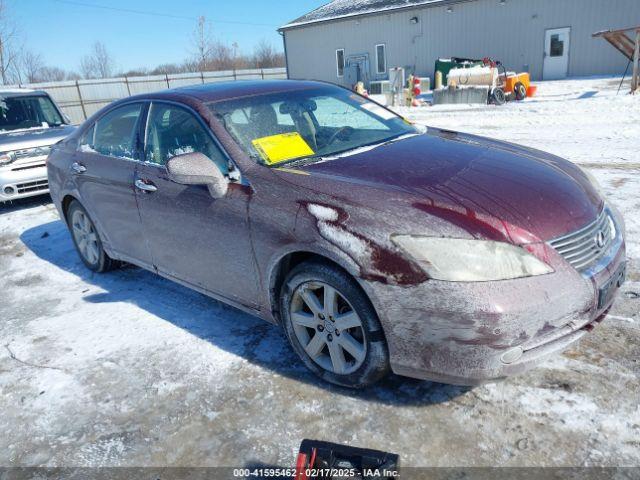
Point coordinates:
[[458, 260], [6, 158]]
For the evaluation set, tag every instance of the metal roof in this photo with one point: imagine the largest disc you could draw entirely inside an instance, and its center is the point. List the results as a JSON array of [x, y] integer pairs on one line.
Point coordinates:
[[338, 9]]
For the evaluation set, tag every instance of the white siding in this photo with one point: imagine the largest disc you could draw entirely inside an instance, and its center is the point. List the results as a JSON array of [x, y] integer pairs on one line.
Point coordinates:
[[512, 33]]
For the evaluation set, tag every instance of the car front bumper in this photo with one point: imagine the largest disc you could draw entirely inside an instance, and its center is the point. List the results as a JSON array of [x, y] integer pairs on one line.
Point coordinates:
[[470, 333], [22, 180]]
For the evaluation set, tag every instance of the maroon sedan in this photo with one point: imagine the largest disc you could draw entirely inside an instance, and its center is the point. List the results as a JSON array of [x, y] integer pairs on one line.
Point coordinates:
[[377, 245]]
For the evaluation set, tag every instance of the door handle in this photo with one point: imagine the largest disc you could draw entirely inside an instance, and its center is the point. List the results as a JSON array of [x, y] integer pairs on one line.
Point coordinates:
[[78, 168], [146, 187]]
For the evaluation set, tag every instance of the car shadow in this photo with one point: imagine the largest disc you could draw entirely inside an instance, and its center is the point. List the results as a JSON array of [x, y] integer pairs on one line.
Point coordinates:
[[225, 327], [23, 203]]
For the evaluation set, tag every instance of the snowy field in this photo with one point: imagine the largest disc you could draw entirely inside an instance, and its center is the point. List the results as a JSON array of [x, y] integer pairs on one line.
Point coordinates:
[[128, 369]]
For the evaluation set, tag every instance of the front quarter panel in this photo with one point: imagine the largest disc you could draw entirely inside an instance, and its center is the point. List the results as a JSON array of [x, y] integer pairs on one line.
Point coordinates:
[[58, 164]]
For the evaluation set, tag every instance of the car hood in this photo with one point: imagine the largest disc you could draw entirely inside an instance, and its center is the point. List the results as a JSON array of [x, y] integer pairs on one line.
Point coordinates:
[[33, 137], [487, 188]]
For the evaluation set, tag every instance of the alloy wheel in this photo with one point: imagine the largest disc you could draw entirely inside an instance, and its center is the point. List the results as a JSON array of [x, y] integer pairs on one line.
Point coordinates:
[[328, 328], [85, 236]]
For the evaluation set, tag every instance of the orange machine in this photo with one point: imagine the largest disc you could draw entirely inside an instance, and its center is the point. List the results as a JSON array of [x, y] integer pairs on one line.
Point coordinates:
[[508, 85], [518, 84]]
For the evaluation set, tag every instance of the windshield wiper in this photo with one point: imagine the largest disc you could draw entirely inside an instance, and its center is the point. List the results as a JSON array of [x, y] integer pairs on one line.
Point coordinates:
[[298, 162]]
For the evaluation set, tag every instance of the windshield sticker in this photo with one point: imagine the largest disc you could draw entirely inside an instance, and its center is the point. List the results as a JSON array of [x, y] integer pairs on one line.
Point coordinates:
[[279, 148], [378, 111]]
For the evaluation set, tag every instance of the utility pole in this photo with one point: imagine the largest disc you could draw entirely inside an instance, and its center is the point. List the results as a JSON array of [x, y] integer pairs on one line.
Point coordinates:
[[636, 64], [4, 72]]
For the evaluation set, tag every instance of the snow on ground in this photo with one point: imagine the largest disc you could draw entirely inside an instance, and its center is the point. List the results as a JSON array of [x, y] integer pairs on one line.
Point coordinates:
[[128, 369]]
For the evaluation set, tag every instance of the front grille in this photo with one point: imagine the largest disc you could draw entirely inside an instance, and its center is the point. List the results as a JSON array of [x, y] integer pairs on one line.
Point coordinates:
[[28, 167], [32, 186], [585, 246]]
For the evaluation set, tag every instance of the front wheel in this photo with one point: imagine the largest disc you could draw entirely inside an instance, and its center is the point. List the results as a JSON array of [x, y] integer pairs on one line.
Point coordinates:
[[497, 96], [332, 326], [86, 239]]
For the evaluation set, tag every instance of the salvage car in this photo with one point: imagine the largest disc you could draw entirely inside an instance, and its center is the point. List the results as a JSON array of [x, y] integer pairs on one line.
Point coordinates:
[[376, 244], [30, 122]]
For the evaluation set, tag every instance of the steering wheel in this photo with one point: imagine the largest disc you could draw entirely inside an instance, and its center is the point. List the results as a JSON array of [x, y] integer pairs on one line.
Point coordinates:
[[342, 131]]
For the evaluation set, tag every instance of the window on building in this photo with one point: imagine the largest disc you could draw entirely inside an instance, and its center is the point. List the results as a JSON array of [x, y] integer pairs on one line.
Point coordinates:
[[381, 59], [557, 46], [340, 62]]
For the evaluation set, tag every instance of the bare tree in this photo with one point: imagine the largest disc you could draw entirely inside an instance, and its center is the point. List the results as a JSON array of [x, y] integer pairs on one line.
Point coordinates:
[[265, 56], [208, 52], [55, 74], [202, 42], [239, 60], [98, 63], [135, 72], [168, 68], [221, 57], [30, 67], [8, 48]]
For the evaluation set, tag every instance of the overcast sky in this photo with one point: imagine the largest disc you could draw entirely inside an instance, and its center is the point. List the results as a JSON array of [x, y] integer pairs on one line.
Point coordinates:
[[63, 30]]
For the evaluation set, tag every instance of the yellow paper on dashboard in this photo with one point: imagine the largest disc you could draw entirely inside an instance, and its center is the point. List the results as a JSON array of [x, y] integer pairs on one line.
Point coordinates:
[[282, 147]]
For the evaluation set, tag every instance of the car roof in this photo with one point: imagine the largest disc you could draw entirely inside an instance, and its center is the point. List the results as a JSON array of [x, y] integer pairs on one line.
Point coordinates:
[[219, 91], [20, 92]]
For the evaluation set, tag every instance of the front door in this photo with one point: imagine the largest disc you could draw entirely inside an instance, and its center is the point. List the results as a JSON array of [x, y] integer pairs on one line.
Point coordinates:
[[103, 170], [556, 53], [192, 236]]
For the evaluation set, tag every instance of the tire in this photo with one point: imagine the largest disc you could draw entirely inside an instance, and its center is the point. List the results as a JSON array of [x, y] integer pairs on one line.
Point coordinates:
[[86, 239], [356, 356], [520, 91], [498, 97]]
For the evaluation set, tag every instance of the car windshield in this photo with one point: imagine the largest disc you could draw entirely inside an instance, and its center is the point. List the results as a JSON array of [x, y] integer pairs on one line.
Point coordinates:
[[22, 112], [305, 125]]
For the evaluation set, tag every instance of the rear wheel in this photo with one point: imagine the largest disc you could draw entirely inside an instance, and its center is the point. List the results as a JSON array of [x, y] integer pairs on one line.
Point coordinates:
[[332, 326], [86, 239]]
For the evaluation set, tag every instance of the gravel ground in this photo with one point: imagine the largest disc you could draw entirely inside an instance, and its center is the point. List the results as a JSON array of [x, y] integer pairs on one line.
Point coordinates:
[[128, 369]]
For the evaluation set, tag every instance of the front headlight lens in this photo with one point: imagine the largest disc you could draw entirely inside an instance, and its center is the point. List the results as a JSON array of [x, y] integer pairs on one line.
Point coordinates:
[[459, 260]]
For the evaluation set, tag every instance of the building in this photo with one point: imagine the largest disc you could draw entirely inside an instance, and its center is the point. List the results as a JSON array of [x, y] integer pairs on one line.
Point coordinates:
[[347, 40]]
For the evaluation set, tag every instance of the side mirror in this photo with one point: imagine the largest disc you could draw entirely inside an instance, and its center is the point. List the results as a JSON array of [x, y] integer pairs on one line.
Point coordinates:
[[197, 169]]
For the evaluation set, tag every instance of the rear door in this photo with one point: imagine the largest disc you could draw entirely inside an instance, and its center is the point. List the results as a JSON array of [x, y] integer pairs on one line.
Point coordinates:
[[193, 237], [104, 170]]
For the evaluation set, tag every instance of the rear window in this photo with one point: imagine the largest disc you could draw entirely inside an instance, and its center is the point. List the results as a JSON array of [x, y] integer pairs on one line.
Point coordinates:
[[38, 111]]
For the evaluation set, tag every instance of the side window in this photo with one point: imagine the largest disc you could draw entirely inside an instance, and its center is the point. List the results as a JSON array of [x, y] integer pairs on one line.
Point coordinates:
[[173, 131], [50, 115], [87, 141], [116, 133]]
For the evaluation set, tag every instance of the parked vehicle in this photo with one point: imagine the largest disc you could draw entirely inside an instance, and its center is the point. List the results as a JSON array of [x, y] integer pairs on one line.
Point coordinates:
[[376, 245], [30, 122]]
